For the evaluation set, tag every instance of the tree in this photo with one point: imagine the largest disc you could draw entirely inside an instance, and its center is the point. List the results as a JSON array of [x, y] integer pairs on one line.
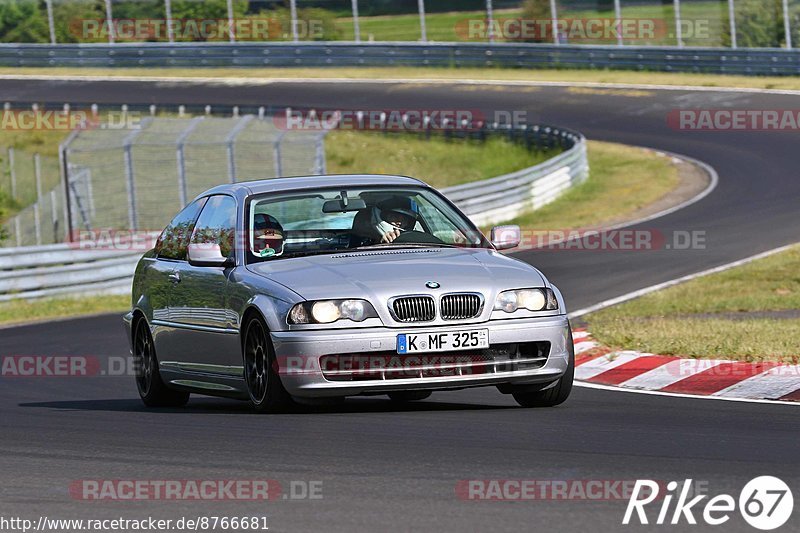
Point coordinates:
[[22, 21], [759, 24], [4, 200], [71, 17], [538, 10], [210, 9]]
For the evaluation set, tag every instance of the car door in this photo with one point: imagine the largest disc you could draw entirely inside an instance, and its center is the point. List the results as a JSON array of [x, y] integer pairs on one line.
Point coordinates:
[[206, 331], [159, 277]]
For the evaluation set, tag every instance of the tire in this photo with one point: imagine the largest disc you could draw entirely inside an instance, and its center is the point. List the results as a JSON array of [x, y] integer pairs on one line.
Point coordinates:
[[409, 395], [264, 387], [152, 390], [556, 394]]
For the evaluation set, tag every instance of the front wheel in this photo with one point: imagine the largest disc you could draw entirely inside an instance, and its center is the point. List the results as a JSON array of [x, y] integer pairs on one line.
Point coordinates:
[[264, 386], [153, 391], [556, 394]]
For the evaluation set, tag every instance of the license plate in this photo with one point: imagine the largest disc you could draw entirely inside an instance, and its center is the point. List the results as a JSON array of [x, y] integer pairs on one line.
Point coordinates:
[[441, 341]]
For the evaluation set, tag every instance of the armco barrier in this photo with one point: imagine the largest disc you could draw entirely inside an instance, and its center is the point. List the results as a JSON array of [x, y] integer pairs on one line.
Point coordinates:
[[502, 198], [751, 61], [59, 269], [63, 269]]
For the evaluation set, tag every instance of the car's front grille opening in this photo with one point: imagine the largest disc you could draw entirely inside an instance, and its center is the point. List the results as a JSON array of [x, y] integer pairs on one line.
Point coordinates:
[[414, 309], [383, 365], [459, 306]]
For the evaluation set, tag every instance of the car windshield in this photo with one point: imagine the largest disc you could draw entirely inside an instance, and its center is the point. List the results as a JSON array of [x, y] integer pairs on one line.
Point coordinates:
[[334, 220]]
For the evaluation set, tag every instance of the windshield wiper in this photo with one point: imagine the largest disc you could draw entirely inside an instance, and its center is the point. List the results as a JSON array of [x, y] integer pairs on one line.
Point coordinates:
[[308, 253], [405, 245]]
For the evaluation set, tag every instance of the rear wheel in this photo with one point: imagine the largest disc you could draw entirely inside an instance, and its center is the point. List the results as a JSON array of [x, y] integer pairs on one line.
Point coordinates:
[[264, 386], [153, 391], [555, 395], [409, 395]]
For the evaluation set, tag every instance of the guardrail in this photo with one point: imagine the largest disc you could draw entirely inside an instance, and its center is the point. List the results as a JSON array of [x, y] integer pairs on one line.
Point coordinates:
[[761, 61], [60, 269], [503, 198], [64, 269]]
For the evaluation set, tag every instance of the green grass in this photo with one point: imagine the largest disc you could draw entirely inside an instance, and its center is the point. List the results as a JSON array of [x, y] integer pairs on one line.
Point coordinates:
[[437, 161], [622, 180], [667, 321], [19, 311]]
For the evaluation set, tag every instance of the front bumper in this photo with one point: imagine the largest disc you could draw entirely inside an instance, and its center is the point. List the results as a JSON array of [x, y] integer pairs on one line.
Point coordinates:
[[298, 354]]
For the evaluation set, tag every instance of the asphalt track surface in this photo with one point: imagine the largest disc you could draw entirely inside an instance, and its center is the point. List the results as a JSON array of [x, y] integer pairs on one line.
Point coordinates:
[[396, 469]]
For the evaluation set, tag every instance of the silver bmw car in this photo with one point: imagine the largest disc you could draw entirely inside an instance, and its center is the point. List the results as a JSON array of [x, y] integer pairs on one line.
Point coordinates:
[[277, 290]]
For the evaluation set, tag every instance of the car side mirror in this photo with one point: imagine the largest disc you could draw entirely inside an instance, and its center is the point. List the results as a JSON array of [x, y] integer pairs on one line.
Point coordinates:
[[207, 255], [505, 237]]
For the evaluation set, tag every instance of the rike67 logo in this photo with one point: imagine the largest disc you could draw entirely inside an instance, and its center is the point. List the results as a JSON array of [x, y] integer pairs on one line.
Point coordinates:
[[765, 503]]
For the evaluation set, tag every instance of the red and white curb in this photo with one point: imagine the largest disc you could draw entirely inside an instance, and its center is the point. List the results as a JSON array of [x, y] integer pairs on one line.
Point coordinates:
[[718, 378]]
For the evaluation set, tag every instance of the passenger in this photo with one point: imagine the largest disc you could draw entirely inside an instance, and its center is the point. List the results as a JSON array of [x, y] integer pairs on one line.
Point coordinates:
[[268, 235]]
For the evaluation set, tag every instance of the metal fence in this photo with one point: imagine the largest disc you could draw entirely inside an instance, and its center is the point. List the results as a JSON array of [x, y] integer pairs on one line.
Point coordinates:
[[158, 21], [32, 180], [35, 272], [778, 62], [137, 176]]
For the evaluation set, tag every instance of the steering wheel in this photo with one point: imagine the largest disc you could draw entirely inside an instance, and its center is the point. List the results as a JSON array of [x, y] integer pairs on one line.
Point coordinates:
[[417, 237]]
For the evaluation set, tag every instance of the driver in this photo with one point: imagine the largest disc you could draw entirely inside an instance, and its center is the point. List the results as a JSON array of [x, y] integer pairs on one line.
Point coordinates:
[[397, 215]]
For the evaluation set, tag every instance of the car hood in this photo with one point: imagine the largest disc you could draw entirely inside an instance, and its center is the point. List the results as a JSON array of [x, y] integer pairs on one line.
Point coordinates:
[[380, 274]]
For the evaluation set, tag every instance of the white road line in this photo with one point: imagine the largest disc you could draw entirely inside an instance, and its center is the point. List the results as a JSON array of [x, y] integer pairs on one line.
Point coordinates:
[[584, 346], [576, 335], [679, 395], [597, 366], [670, 373], [775, 383]]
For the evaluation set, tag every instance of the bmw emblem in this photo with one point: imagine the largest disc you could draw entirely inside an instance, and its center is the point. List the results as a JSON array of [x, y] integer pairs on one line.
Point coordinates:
[[432, 285]]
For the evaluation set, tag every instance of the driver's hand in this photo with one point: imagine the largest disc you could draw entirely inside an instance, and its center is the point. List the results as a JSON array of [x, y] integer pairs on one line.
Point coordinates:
[[390, 236]]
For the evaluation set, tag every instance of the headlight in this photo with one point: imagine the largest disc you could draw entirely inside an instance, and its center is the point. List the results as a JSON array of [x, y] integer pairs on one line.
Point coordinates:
[[325, 312], [530, 299], [328, 311]]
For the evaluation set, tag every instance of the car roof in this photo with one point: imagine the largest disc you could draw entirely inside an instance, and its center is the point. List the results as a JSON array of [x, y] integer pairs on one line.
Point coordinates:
[[297, 183]]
